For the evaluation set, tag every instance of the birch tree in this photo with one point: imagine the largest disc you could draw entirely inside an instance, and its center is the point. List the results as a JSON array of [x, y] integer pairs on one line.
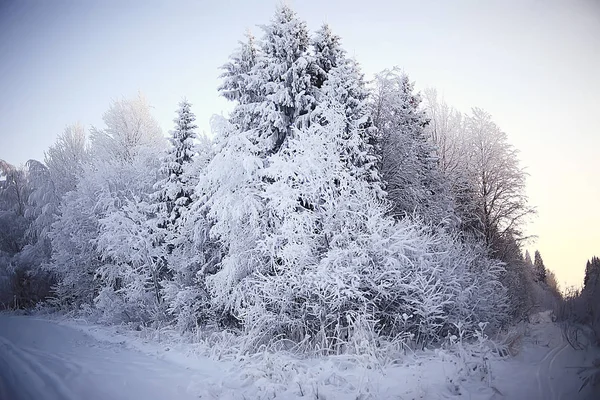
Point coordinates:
[[501, 200]]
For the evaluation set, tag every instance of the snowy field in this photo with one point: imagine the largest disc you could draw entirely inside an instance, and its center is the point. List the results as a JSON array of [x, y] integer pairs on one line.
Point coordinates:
[[48, 359]]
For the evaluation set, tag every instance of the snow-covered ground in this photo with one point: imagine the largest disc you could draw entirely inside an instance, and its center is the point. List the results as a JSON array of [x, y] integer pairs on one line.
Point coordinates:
[[64, 359]]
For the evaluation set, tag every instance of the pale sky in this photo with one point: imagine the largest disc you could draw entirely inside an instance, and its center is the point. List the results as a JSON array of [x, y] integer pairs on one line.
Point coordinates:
[[533, 64]]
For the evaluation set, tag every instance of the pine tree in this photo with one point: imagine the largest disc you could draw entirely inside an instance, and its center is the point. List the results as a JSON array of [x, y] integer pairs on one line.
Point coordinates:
[[591, 279], [539, 267], [171, 203], [345, 88], [272, 83], [528, 260], [408, 163], [275, 98], [328, 54], [194, 254], [284, 80], [240, 83], [341, 83], [175, 190]]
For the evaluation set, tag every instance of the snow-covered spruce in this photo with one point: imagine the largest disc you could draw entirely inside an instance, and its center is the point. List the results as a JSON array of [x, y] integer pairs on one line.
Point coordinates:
[[179, 227], [408, 162], [345, 89]]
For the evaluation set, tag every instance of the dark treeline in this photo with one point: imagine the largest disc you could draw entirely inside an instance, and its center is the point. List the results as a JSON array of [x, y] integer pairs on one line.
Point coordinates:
[[583, 306]]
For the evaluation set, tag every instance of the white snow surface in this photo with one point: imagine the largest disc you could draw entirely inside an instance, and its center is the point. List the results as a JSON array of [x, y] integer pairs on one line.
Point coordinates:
[[51, 358]]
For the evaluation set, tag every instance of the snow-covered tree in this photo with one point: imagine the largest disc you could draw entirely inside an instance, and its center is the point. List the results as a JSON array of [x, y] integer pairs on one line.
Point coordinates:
[[129, 273], [408, 162], [108, 202], [282, 76], [591, 280], [518, 278], [241, 83], [179, 226], [28, 204], [174, 191], [486, 183], [590, 296], [43, 203], [345, 87], [447, 132], [65, 158], [528, 260], [274, 95], [14, 192], [13, 189], [500, 195], [230, 199], [43, 200], [328, 54], [75, 257], [539, 267]]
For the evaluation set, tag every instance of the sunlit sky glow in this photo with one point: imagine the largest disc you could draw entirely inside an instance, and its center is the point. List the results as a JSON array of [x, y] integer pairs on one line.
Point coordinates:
[[534, 65]]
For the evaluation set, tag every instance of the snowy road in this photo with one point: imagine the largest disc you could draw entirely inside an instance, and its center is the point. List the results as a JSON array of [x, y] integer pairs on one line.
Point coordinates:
[[41, 360], [45, 360], [545, 369]]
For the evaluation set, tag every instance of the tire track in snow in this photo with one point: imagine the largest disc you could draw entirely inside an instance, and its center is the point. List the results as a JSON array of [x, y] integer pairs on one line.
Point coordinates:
[[550, 368], [24, 378], [543, 369], [54, 362]]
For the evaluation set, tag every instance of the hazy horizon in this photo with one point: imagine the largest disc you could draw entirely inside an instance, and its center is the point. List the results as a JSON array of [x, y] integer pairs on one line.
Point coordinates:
[[533, 65]]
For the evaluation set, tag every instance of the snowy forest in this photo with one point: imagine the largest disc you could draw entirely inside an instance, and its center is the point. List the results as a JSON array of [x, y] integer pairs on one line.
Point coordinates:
[[325, 209]]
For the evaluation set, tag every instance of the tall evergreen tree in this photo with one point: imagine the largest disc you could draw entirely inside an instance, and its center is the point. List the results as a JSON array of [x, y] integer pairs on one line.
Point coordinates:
[[274, 97], [408, 163], [341, 84], [328, 54], [539, 267], [591, 279], [283, 73], [345, 89], [172, 202], [175, 190], [272, 83], [195, 254], [241, 83], [528, 260]]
